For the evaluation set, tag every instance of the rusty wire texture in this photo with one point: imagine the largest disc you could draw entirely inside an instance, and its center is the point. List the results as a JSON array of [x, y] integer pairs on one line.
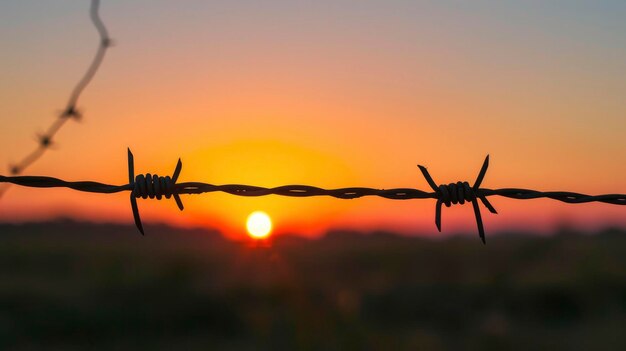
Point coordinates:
[[154, 186], [45, 140]]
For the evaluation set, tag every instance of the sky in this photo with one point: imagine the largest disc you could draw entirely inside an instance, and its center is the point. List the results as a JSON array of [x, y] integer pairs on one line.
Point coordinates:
[[324, 93]]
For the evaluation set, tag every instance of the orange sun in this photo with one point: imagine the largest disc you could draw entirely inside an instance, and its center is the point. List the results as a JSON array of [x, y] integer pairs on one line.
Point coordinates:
[[259, 225]]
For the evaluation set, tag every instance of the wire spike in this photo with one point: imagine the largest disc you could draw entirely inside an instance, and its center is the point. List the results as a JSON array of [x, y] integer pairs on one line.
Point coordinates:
[[429, 179], [179, 167], [438, 215], [179, 202], [131, 168], [133, 204], [481, 174], [487, 204], [133, 199], [479, 221], [45, 141]]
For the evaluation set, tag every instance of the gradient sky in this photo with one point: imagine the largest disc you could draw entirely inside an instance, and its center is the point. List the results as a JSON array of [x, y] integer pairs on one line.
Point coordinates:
[[327, 93]]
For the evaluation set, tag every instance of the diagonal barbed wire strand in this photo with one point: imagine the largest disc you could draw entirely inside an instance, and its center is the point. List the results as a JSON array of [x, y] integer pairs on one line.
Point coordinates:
[[70, 111], [153, 186]]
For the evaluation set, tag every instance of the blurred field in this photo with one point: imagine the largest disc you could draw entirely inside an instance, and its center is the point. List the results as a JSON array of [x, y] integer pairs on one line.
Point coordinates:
[[67, 285]]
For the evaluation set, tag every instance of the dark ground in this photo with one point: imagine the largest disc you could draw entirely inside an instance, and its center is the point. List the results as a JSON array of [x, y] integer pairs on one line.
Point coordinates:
[[68, 285]]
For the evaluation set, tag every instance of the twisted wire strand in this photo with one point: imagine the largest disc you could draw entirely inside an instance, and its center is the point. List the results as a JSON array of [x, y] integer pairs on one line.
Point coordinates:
[[157, 187], [45, 140]]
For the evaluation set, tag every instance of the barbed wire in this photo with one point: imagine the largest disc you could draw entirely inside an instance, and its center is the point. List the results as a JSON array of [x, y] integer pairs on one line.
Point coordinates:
[[45, 140], [153, 186]]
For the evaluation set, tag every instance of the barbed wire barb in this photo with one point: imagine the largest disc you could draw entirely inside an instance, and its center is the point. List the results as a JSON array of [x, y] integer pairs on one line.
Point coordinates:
[[459, 193], [153, 186], [45, 140]]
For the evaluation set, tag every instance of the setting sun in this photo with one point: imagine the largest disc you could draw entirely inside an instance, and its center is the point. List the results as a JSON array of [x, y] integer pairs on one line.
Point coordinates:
[[259, 224]]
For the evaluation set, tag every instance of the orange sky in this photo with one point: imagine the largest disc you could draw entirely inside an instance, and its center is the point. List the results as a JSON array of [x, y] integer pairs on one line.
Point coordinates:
[[331, 94]]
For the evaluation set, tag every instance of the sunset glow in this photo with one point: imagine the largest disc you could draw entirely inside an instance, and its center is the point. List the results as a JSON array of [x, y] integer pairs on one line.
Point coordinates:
[[324, 93]]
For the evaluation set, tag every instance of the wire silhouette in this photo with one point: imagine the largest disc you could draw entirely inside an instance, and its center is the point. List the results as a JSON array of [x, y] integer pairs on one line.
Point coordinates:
[[154, 186], [70, 111]]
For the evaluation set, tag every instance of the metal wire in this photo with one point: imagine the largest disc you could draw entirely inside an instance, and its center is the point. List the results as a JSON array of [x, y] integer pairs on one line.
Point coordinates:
[[45, 140], [153, 186]]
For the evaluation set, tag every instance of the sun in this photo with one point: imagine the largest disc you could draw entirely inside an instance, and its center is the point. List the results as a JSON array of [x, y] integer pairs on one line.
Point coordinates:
[[259, 225]]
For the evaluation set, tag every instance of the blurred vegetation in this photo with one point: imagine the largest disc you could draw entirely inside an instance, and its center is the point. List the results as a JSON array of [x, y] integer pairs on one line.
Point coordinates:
[[67, 285]]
